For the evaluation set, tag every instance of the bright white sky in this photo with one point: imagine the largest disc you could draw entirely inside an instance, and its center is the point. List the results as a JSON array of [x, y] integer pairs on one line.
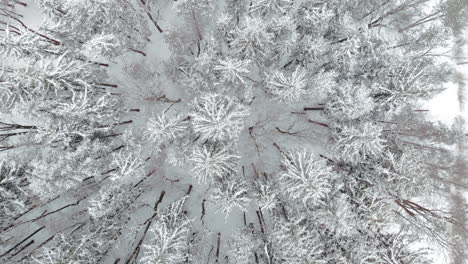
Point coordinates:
[[445, 106]]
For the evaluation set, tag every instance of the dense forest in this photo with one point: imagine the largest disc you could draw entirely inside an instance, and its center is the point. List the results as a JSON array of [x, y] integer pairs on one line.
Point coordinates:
[[229, 131]]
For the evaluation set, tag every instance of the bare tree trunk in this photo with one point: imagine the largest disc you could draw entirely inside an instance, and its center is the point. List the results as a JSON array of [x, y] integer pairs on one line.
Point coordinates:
[[313, 108], [218, 246], [148, 222], [423, 20], [138, 51], [318, 123], [20, 3], [47, 38], [22, 241]]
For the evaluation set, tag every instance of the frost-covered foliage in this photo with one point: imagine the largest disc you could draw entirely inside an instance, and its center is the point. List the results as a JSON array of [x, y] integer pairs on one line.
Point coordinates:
[[128, 167], [289, 89], [163, 129], [213, 162], [356, 143], [88, 246], [250, 39], [68, 250], [13, 196], [169, 237], [349, 102], [112, 200], [264, 7], [229, 195], [51, 77], [245, 245], [410, 80], [101, 45], [293, 242], [265, 195], [192, 8], [306, 176], [112, 26], [231, 70], [293, 130], [217, 117], [53, 171]]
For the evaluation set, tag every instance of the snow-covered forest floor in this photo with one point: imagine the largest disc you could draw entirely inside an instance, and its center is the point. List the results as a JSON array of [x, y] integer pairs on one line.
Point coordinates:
[[233, 132]]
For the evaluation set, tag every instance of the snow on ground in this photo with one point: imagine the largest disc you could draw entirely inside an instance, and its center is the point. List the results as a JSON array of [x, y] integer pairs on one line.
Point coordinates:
[[133, 67]]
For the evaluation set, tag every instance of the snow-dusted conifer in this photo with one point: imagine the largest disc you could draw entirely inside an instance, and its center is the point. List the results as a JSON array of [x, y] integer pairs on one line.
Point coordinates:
[[438, 132], [66, 122], [306, 176], [314, 18], [407, 175], [54, 171], [179, 153], [128, 165], [404, 247], [214, 161], [251, 39], [163, 128], [229, 195], [169, 235], [232, 70], [294, 242], [286, 39], [410, 80], [356, 143], [286, 88], [217, 117], [264, 7], [192, 8], [86, 244], [86, 107], [13, 196], [348, 102], [112, 200], [266, 195], [333, 209], [20, 43], [81, 23], [245, 246], [101, 45], [67, 249], [51, 77]]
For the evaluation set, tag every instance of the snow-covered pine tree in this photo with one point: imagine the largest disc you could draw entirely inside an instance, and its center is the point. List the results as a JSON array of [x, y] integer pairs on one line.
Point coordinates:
[[53, 169], [291, 88], [264, 7], [250, 39], [366, 63], [14, 198], [410, 80], [114, 27], [164, 130], [293, 241], [213, 162], [359, 142], [306, 177], [67, 249], [246, 246], [168, 237], [217, 117], [113, 200], [231, 71], [348, 102], [229, 195]]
